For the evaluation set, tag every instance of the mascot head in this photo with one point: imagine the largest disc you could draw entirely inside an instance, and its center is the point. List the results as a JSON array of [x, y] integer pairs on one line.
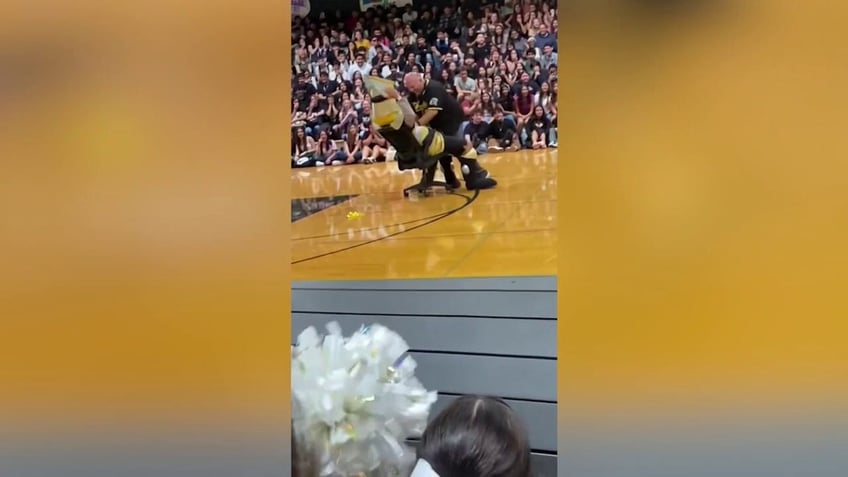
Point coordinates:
[[389, 109]]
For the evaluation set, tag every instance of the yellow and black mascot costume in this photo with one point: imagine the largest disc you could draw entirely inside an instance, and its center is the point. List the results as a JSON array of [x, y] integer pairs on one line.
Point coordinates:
[[420, 147]]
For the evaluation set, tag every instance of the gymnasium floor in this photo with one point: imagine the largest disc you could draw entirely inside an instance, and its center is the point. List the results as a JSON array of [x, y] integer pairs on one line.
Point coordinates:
[[352, 222]]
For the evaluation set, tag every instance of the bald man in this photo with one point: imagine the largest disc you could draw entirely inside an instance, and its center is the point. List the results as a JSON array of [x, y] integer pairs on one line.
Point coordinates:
[[437, 109]]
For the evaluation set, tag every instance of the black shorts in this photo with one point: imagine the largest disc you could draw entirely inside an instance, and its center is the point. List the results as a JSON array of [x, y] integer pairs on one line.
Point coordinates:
[[454, 145]]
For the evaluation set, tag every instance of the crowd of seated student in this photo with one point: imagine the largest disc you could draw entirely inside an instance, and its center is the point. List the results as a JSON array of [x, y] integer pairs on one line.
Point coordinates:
[[499, 60]]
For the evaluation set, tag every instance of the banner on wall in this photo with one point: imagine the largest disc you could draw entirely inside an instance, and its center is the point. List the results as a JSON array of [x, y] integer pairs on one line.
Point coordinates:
[[300, 8], [366, 4]]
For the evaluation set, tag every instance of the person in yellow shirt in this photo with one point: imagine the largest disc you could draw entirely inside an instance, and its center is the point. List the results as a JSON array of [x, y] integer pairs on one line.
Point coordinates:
[[360, 41]]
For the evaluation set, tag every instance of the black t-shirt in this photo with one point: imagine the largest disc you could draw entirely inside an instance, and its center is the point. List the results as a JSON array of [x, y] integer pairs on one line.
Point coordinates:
[[435, 96], [531, 85], [539, 124], [499, 129], [481, 52], [328, 88], [302, 92], [477, 132]]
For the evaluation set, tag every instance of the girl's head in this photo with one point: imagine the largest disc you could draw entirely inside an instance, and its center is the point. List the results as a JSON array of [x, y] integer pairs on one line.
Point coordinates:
[[304, 461], [322, 136], [538, 111], [545, 88], [485, 97], [300, 133], [352, 131], [476, 436], [525, 91]]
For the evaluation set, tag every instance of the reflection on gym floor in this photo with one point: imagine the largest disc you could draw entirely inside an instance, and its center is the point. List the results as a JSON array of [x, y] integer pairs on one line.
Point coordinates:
[[352, 222]]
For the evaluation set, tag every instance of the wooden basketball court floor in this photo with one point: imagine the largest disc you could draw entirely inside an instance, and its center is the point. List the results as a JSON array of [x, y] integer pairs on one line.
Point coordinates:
[[352, 222]]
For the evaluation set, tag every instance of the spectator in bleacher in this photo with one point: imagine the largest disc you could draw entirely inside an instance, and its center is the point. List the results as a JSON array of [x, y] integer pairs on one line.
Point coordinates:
[[352, 145], [501, 133], [326, 152], [484, 54], [374, 147], [539, 128], [477, 133], [523, 109], [302, 149]]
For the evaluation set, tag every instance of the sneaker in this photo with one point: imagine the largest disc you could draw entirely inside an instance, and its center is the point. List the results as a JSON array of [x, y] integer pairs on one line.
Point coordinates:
[[553, 144]]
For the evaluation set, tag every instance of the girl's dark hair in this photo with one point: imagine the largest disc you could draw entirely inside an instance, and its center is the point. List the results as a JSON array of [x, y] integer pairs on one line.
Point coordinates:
[[476, 436], [304, 462]]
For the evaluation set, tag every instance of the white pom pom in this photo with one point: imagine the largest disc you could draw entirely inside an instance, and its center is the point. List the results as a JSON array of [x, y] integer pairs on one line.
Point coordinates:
[[357, 398]]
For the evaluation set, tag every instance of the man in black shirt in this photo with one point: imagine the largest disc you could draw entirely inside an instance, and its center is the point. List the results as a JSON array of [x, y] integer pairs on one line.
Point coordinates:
[[325, 88], [441, 111], [500, 133], [433, 105], [303, 90]]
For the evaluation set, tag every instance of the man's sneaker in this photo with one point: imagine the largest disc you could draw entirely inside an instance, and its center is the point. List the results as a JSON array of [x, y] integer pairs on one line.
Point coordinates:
[[476, 178]]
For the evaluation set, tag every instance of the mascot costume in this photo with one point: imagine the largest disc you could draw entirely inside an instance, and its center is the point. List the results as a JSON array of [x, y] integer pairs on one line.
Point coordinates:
[[420, 147]]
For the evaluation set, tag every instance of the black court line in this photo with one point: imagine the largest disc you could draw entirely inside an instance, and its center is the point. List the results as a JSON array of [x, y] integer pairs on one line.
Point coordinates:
[[468, 201]]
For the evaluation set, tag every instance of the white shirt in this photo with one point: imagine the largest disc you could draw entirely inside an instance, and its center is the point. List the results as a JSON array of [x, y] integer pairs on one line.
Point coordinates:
[[409, 17], [363, 70]]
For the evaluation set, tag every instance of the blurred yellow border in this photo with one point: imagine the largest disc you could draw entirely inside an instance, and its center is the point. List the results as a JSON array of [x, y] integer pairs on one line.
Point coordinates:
[[702, 213], [145, 233]]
